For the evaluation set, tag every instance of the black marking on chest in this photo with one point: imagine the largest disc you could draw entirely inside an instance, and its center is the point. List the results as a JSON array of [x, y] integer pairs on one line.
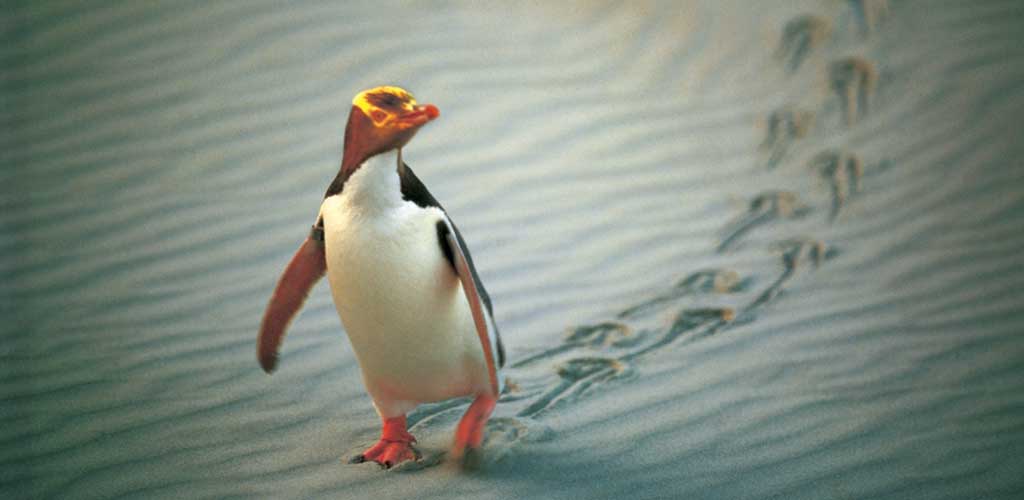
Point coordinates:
[[336, 185], [442, 232], [413, 189]]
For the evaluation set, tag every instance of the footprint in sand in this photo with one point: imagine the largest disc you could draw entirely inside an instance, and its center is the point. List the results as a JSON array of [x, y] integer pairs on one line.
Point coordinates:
[[606, 334], [696, 323], [601, 335], [619, 335], [854, 81], [843, 171], [577, 377], [785, 126], [796, 254], [799, 37], [503, 435], [869, 14], [764, 208], [718, 281]]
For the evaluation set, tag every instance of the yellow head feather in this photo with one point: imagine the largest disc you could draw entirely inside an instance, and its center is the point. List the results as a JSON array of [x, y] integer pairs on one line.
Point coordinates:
[[380, 103]]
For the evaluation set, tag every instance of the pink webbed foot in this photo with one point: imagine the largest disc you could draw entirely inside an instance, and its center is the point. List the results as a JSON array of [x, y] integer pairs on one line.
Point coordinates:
[[470, 433], [394, 447]]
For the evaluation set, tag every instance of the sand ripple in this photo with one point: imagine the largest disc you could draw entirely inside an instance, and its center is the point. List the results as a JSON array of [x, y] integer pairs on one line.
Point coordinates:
[[737, 250]]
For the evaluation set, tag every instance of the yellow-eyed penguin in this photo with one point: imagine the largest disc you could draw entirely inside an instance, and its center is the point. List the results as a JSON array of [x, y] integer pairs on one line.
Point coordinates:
[[404, 284]]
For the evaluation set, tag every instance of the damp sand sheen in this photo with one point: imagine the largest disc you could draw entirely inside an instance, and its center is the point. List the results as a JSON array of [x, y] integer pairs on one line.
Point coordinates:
[[736, 250]]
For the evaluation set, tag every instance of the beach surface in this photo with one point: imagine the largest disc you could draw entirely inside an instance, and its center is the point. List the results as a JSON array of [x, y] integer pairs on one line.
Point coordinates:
[[737, 250]]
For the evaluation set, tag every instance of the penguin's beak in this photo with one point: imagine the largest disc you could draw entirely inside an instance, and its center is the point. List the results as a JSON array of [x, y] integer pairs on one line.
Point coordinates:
[[420, 115]]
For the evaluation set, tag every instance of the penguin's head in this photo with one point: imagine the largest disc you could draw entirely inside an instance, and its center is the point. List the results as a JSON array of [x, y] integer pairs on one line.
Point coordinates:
[[383, 119]]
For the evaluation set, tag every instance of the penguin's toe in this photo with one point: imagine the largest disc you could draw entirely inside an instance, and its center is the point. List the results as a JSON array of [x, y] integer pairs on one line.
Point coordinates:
[[387, 454], [397, 453]]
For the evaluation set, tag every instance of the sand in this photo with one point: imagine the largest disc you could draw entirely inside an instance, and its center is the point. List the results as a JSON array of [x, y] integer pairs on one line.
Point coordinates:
[[736, 249]]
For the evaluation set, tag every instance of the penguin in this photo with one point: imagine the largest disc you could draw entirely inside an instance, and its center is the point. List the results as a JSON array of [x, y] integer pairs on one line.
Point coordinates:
[[420, 323]]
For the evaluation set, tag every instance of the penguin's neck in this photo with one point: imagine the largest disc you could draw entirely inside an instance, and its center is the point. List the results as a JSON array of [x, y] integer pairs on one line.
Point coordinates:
[[375, 185]]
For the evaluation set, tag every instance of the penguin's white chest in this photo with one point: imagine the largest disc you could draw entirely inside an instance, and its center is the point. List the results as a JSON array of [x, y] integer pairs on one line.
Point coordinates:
[[399, 300]]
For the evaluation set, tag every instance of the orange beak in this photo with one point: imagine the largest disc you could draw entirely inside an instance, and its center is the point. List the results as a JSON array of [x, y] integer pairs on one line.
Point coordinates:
[[419, 115]]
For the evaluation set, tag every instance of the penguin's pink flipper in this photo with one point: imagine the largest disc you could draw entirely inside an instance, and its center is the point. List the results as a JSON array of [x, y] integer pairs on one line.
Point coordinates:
[[483, 330], [470, 433], [304, 270]]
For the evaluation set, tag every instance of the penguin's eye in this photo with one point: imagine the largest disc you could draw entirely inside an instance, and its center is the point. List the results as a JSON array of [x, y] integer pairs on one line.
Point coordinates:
[[378, 116]]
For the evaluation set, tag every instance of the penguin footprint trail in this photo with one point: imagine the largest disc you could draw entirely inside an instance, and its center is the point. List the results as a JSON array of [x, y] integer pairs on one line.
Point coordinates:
[[421, 396], [709, 302]]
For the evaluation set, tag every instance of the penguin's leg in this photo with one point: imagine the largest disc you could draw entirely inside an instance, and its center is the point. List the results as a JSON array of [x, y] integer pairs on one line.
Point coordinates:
[[470, 433], [395, 445]]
